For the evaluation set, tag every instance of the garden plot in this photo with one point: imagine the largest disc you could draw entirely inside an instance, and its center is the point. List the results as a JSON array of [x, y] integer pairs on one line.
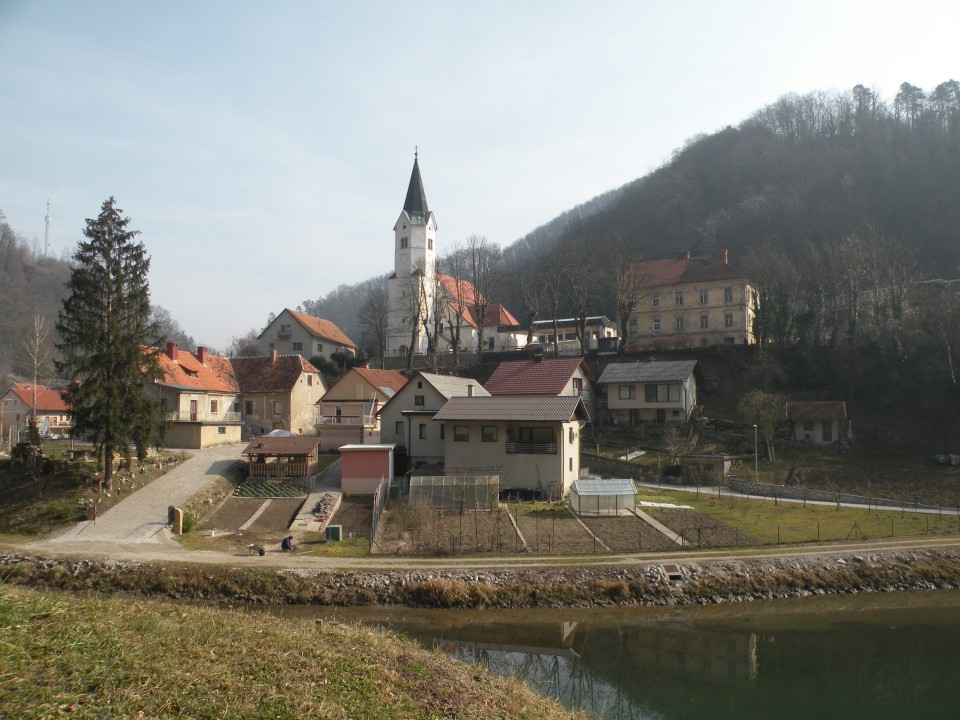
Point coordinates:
[[626, 533], [699, 529], [420, 529], [551, 529]]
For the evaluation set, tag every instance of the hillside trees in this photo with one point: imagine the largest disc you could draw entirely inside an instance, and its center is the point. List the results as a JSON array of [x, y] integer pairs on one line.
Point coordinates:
[[375, 317], [104, 327]]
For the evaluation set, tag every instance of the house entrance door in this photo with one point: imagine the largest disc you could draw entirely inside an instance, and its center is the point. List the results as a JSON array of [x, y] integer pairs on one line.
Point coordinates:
[[827, 431], [193, 411]]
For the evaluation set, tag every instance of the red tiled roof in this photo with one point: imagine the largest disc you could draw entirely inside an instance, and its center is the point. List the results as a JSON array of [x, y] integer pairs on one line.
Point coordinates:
[[549, 376], [382, 378], [825, 410], [323, 329], [461, 292], [48, 400], [270, 373], [495, 314], [678, 271], [213, 375]]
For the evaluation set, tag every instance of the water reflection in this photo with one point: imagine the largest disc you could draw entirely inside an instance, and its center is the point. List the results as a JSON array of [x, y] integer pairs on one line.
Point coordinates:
[[890, 656]]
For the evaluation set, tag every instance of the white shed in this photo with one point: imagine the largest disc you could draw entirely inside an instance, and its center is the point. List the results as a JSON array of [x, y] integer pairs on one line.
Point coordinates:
[[613, 496]]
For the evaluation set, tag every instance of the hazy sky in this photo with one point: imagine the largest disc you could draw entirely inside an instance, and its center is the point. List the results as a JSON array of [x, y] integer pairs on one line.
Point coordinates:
[[263, 149]]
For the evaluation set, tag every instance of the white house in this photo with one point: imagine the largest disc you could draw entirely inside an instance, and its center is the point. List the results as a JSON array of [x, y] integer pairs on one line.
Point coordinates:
[[406, 420]]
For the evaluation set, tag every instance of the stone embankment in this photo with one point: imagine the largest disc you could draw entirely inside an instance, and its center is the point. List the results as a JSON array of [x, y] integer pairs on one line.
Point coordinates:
[[701, 583]]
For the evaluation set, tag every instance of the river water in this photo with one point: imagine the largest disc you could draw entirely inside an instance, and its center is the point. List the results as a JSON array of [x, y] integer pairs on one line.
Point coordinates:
[[877, 656]]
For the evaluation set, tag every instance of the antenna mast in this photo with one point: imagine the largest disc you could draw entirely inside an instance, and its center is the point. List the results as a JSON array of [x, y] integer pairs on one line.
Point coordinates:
[[46, 232]]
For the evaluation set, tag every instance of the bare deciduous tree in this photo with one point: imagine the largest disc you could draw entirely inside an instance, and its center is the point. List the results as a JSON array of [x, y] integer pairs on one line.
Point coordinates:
[[375, 317]]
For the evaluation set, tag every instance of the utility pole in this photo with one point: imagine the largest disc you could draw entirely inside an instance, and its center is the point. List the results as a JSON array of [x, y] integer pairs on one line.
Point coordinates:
[[756, 460]]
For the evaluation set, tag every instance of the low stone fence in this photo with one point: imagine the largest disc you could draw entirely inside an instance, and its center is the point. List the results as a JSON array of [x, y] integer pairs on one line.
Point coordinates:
[[749, 487], [208, 498]]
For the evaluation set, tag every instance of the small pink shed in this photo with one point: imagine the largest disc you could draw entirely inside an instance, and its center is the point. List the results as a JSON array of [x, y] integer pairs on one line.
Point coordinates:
[[364, 467]]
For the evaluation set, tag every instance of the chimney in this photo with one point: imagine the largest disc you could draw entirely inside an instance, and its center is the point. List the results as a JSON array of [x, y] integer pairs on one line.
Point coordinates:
[[366, 366], [684, 255], [172, 351], [202, 355], [470, 390], [725, 256], [273, 357]]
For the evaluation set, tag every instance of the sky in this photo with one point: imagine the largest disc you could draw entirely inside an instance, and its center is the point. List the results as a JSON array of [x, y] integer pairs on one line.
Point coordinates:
[[263, 149]]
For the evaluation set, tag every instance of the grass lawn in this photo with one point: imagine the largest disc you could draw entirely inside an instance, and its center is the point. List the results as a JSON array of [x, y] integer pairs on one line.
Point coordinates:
[[312, 544], [88, 657], [790, 522]]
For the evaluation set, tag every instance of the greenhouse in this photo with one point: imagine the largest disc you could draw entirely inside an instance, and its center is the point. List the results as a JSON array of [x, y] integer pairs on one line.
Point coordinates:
[[603, 497], [455, 492]]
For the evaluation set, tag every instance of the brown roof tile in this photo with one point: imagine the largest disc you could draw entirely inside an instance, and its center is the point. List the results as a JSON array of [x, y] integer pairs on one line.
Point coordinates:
[[270, 373], [679, 271], [824, 410], [298, 445], [321, 328], [549, 376], [48, 400], [215, 374], [514, 408]]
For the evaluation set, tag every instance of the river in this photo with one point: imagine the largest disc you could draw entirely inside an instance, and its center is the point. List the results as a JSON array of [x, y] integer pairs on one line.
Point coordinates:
[[877, 656]]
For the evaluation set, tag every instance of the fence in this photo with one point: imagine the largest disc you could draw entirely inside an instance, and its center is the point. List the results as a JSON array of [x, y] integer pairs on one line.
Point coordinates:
[[379, 504]]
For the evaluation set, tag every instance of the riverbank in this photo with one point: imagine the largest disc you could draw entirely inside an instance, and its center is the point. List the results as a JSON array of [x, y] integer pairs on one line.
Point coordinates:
[[712, 581], [93, 657]]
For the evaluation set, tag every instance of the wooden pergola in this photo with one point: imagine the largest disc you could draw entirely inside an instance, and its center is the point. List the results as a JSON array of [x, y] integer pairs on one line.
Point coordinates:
[[274, 457]]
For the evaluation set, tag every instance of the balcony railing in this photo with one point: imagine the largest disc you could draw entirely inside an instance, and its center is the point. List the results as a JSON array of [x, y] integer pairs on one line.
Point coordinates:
[[365, 420], [514, 448], [202, 417], [278, 470]]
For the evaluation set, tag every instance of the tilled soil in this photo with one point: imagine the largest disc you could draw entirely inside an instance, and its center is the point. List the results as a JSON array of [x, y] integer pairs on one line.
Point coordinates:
[[626, 533], [700, 530]]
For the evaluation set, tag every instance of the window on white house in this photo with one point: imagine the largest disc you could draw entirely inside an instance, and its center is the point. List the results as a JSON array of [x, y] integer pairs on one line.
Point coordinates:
[[461, 433], [679, 323], [248, 407], [418, 400], [398, 428], [704, 296], [536, 435], [213, 407], [423, 431], [277, 407], [655, 300], [298, 346], [656, 323], [728, 295], [654, 393], [309, 379], [728, 319], [704, 321], [678, 298], [628, 392], [488, 433], [319, 347]]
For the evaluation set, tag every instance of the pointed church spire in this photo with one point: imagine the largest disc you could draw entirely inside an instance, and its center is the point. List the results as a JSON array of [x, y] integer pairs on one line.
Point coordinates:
[[415, 203]]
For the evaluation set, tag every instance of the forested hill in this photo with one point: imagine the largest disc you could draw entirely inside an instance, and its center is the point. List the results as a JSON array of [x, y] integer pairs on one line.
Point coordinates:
[[799, 176]]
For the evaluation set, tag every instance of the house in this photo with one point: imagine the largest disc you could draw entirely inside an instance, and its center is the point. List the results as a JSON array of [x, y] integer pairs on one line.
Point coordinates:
[[296, 333], [17, 405], [819, 422], [365, 468], [280, 392], [650, 392], [423, 301], [690, 301], [347, 412], [199, 398], [532, 441], [564, 339], [545, 376], [405, 419], [282, 457]]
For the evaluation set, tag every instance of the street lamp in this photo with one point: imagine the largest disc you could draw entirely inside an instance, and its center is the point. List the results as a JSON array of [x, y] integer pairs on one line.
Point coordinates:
[[756, 473]]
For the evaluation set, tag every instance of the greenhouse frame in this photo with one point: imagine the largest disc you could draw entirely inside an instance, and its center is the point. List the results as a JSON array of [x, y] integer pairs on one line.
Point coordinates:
[[614, 496], [453, 492]]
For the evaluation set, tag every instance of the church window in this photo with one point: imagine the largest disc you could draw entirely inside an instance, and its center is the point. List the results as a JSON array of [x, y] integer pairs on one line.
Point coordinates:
[[429, 243], [403, 243]]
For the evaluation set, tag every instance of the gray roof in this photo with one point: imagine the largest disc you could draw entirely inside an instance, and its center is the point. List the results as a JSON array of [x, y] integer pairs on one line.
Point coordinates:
[[514, 408], [644, 372], [611, 486], [452, 386], [416, 201]]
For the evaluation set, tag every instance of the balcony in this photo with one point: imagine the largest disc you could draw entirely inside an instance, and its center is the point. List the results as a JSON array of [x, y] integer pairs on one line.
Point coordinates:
[[514, 448], [202, 417], [365, 420]]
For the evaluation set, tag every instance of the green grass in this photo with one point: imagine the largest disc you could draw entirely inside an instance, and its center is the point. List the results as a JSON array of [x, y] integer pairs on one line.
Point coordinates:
[[269, 489], [83, 658], [348, 547], [791, 522]]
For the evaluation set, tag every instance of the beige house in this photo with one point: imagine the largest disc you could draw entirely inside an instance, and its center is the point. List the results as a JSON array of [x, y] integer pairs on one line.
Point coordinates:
[[822, 422], [279, 392], [199, 398], [406, 420], [664, 393], [688, 302], [17, 404], [347, 412], [532, 442], [296, 333]]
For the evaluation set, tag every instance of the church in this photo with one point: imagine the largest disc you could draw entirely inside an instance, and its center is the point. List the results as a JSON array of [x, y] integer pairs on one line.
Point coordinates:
[[429, 310]]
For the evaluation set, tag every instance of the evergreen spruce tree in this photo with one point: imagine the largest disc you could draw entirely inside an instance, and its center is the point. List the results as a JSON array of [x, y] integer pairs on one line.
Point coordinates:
[[104, 333]]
